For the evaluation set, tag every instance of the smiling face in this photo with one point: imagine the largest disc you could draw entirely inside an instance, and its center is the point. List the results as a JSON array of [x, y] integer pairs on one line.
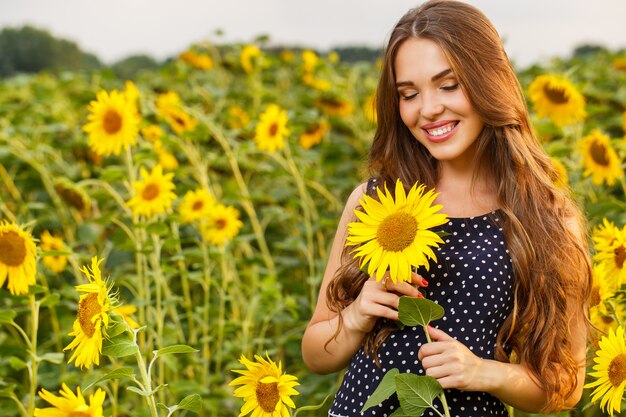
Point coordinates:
[[433, 104]]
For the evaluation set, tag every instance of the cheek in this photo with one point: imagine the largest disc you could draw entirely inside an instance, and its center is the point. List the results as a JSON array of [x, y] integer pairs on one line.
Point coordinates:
[[408, 115]]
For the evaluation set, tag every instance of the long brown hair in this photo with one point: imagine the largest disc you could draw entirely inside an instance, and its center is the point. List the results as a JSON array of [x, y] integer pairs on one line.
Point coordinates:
[[551, 263]]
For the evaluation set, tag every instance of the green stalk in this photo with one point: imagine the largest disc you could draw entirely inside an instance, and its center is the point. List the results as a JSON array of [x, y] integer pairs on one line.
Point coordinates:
[[206, 314], [33, 368], [182, 269], [246, 202], [146, 379], [442, 396]]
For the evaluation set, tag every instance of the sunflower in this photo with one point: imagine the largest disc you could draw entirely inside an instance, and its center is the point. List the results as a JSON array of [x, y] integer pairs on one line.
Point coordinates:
[[557, 98], [600, 159], [223, 225], [562, 180], [310, 60], [624, 123], [72, 194], [249, 54], [126, 311], [55, 263], [313, 135], [610, 371], [70, 404], [610, 246], [153, 195], [179, 120], [334, 106], [167, 101], [603, 288], [151, 133], [196, 205], [200, 61], [265, 389], [272, 128], [166, 159], [132, 93], [369, 108], [113, 123], [92, 318], [393, 234], [237, 118], [308, 78], [619, 63], [17, 258]]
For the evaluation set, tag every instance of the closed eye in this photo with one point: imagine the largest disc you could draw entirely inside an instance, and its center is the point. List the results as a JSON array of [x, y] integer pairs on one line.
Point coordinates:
[[450, 87], [409, 97]]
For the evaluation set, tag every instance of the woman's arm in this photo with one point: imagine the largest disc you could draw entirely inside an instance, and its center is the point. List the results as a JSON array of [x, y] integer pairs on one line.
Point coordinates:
[[359, 317]]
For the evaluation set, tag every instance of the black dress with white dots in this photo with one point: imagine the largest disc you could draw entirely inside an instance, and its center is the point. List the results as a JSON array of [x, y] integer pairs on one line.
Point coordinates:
[[473, 281]]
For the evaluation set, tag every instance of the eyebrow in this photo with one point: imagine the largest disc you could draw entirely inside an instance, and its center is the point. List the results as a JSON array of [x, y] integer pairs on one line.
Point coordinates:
[[435, 77]]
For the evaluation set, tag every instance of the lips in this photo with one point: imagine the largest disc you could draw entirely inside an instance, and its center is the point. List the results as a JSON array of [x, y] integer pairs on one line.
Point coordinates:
[[439, 131]]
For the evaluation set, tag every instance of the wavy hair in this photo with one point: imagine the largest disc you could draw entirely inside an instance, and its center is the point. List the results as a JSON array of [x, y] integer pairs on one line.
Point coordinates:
[[551, 262]]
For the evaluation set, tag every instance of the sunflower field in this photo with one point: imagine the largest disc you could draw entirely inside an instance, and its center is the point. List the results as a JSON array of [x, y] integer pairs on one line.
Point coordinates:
[[162, 239]]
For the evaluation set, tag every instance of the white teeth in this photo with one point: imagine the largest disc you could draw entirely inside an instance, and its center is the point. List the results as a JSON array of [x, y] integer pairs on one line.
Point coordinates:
[[440, 131]]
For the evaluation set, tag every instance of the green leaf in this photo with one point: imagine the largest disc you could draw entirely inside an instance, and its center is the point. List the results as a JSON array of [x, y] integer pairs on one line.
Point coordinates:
[[415, 311], [139, 391], [174, 349], [118, 373], [383, 391], [192, 403], [119, 346], [16, 363], [416, 393], [7, 391], [7, 316], [400, 413], [116, 329], [52, 357], [51, 300]]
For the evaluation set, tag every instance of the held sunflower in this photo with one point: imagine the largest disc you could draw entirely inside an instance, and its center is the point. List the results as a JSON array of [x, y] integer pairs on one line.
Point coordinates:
[[113, 123], [271, 130], [70, 404], [154, 194], [17, 258], [557, 98], [393, 234], [600, 160], [265, 389], [609, 372], [92, 318]]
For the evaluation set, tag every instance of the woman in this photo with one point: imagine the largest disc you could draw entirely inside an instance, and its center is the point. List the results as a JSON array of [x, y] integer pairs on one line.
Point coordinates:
[[514, 273]]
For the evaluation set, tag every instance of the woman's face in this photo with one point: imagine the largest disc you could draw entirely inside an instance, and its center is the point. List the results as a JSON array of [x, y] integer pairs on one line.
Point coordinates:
[[433, 104]]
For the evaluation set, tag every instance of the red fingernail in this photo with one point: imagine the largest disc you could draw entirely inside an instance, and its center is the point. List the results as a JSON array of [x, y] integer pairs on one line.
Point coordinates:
[[419, 295], [424, 282]]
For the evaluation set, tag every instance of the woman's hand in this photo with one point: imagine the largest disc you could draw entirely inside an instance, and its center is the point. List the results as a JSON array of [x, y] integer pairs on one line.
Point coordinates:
[[379, 299], [451, 363]]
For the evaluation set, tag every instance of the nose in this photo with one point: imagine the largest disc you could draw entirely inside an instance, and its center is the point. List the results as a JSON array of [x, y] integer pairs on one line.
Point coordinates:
[[431, 105]]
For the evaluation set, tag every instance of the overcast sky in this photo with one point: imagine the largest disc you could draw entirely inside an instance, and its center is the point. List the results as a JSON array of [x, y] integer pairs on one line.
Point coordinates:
[[112, 29]]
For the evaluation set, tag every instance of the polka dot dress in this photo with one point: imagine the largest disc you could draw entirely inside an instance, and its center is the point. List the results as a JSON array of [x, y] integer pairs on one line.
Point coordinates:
[[473, 282]]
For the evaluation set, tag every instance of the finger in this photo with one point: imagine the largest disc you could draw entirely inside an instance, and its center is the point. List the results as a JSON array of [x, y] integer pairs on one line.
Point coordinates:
[[403, 288], [437, 372], [418, 280], [433, 361], [437, 334], [431, 349]]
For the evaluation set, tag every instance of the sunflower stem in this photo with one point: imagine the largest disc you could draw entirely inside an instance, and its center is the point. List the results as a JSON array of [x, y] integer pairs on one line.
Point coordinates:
[[145, 377], [206, 323], [442, 396], [34, 327], [246, 202], [20, 406], [188, 302]]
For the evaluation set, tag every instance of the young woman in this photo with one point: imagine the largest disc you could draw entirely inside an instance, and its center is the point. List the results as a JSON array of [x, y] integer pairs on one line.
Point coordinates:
[[514, 273]]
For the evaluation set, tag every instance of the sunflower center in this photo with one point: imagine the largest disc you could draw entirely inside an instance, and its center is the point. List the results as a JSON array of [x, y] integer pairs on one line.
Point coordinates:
[[220, 223], [197, 206], [267, 396], [620, 256], [112, 122], [397, 231], [150, 192], [617, 370], [87, 308], [555, 94], [598, 154], [595, 298], [12, 249], [273, 129]]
